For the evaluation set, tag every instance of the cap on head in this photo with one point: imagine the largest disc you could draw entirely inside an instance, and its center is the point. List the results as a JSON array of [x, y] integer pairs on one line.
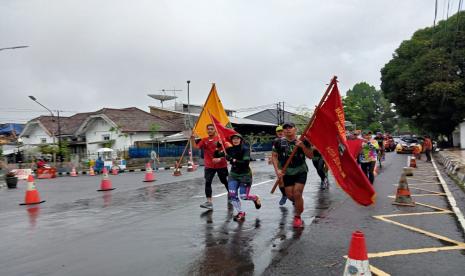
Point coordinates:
[[288, 124], [236, 135], [279, 128]]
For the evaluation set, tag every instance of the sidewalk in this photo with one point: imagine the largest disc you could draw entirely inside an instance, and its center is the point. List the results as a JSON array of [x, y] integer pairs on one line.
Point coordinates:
[[454, 162]]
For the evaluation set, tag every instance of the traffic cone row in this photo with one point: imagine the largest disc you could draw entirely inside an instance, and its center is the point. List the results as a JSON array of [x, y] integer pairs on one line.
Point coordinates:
[[73, 172], [105, 185], [177, 170], [413, 162], [91, 171], [408, 171], [32, 195], [403, 196], [149, 175], [357, 260], [190, 166]]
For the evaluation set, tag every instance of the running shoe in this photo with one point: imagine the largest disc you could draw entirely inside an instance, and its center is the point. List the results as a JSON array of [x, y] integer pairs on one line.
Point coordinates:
[[283, 200], [240, 216], [207, 205], [326, 183], [298, 223], [257, 202]]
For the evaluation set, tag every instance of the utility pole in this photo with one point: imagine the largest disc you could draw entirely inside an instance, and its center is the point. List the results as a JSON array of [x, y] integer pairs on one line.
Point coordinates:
[[280, 113]]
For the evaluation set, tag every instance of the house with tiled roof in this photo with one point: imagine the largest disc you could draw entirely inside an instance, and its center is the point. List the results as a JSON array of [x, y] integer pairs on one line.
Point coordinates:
[[87, 132], [123, 128]]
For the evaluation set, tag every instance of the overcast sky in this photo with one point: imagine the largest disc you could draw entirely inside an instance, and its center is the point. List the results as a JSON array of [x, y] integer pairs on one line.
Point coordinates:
[[88, 54]]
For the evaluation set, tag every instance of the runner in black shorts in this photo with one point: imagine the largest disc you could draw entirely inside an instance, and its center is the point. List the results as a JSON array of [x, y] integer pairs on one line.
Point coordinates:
[[296, 173]]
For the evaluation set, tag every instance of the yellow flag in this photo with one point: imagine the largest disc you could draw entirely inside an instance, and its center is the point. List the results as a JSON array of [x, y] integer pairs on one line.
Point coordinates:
[[213, 106]]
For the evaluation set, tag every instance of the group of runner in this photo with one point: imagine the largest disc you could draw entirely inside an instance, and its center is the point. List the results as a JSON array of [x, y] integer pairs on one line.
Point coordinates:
[[238, 181]]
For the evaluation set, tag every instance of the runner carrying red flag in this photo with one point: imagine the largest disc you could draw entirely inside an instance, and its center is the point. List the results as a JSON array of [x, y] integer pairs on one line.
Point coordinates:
[[327, 134]]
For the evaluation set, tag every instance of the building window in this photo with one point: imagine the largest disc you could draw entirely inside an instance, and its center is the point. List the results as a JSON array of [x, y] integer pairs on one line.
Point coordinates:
[[43, 140], [106, 137]]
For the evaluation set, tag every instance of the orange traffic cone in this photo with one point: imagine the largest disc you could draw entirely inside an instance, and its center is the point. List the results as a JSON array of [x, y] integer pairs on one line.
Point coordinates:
[[403, 196], [357, 261], [32, 195], [73, 172], [413, 162], [408, 171], [190, 166], [177, 170], [91, 171], [149, 175], [114, 170], [105, 185]]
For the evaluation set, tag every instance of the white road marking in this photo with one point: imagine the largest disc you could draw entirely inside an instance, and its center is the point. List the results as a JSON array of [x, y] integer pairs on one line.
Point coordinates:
[[253, 185], [450, 197]]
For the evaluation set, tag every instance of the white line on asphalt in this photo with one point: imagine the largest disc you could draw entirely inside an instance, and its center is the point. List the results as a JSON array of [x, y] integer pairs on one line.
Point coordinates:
[[450, 197], [253, 185]]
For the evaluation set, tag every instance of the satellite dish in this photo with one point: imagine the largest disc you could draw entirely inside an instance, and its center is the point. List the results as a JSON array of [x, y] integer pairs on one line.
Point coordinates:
[[162, 98]]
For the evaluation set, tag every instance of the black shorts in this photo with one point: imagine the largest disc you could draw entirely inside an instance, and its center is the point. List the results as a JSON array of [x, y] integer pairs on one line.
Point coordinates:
[[290, 180]]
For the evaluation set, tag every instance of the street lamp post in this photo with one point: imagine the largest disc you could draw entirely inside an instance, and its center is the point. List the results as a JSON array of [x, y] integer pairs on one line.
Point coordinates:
[[13, 48], [190, 123], [58, 126]]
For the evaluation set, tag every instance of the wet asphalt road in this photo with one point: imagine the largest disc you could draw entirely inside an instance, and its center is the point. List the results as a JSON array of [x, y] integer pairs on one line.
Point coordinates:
[[158, 229], [145, 228]]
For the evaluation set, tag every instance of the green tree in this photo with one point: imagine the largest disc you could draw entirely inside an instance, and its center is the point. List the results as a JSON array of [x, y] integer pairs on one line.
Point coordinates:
[[302, 117], [426, 76], [367, 108]]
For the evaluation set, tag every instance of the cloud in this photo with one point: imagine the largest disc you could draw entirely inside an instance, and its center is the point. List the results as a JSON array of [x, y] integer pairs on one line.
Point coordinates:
[[85, 55]]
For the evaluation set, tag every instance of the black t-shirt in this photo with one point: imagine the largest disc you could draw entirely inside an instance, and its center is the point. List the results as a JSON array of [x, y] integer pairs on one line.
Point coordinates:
[[284, 148]]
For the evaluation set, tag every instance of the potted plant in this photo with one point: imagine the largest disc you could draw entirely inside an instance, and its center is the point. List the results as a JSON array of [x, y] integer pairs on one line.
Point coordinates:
[[11, 180]]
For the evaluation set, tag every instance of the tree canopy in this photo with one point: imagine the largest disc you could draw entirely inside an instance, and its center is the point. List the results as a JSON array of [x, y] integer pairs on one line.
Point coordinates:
[[366, 107], [425, 78]]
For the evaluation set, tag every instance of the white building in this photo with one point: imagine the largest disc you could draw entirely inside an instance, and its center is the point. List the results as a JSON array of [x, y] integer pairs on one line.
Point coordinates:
[[87, 132], [458, 136]]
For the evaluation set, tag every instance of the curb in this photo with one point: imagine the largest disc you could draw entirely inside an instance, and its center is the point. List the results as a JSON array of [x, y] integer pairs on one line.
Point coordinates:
[[450, 197]]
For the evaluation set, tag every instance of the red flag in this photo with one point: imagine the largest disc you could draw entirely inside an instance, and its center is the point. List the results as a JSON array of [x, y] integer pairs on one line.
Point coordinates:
[[355, 146], [327, 134], [223, 132]]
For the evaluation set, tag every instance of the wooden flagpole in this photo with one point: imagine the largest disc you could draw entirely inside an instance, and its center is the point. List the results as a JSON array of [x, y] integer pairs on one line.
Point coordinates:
[[294, 151], [182, 156]]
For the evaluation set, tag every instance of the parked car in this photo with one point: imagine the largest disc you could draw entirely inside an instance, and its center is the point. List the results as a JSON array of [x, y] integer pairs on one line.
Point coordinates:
[[407, 144]]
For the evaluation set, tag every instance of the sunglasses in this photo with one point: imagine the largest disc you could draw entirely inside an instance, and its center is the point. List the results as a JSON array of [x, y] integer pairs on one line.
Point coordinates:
[[288, 127]]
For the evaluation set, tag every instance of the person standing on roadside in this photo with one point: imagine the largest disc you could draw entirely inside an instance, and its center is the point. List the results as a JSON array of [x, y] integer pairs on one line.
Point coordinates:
[[295, 176], [428, 146], [212, 165]]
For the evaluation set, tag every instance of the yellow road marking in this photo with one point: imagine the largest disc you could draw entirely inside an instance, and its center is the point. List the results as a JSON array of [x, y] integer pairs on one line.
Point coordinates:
[[417, 214], [433, 207], [424, 232], [414, 251], [425, 190], [418, 195], [378, 271]]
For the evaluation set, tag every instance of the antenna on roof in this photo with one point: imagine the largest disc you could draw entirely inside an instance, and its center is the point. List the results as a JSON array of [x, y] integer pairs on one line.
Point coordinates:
[[163, 97]]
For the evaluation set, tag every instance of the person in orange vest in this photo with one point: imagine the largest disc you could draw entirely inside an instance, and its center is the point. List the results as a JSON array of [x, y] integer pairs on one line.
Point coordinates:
[[417, 152], [428, 146]]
